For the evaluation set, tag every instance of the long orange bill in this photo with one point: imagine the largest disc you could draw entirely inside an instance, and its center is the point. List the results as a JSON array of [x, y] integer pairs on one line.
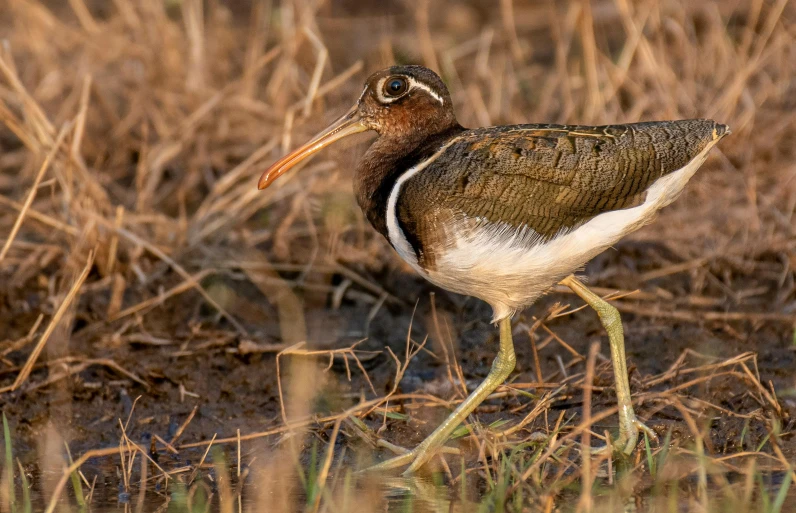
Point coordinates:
[[348, 124]]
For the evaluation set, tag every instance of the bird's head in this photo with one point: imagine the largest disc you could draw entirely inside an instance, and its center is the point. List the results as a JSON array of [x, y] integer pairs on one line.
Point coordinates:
[[400, 102]]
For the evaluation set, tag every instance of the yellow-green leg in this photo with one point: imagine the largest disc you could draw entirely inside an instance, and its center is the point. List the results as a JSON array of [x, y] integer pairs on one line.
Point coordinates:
[[501, 368], [629, 425]]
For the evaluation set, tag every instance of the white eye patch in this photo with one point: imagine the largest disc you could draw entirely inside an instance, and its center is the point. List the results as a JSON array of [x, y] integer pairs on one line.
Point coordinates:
[[413, 84], [420, 85]]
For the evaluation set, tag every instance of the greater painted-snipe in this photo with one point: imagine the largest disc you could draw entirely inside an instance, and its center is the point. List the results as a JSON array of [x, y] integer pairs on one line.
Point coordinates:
[[504, 213]]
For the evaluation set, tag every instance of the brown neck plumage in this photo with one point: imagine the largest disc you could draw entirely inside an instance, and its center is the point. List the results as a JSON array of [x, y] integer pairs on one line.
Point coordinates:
[[389, 157]]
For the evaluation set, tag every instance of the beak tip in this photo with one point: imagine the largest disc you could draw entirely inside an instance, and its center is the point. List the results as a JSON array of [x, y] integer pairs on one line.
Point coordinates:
[[350, 123]]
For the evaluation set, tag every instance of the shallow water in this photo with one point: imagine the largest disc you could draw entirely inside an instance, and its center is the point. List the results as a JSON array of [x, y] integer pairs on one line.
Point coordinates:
[[394, 494], [351, 492]]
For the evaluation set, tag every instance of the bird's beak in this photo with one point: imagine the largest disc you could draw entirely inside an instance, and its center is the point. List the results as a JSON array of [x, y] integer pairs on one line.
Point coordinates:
[[348, 124]]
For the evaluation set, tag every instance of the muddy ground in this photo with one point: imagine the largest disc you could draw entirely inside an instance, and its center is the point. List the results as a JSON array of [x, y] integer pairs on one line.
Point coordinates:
[[170, 111], [190, 358]]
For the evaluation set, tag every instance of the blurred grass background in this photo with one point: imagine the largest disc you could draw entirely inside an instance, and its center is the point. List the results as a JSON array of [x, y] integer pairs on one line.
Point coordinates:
[[136, 246]]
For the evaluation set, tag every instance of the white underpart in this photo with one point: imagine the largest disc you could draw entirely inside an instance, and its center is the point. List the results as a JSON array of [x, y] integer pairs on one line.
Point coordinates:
[[510, 268]]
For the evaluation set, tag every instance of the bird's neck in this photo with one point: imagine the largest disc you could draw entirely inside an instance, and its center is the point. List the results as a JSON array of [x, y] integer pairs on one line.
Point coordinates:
[[384, 162]]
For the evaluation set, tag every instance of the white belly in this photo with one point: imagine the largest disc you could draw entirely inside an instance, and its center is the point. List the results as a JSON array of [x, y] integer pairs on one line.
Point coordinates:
[[510, 268]]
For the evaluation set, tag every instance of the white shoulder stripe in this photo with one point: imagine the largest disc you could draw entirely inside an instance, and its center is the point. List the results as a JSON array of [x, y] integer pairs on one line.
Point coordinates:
[[394, 232]]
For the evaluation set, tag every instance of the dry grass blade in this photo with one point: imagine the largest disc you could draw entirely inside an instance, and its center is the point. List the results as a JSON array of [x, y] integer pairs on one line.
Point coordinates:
[[190, 283], [174, 265], [323, 475], [59, 313], [202, 461], [361, 410], [34, 188], [199, 278], [42, 218], [93, 453], [42, 127], [586, 502], [18, 344]]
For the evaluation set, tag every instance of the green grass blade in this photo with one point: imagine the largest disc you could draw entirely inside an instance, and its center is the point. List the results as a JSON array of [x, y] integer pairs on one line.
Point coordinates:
[[179, 498], [650, 459], [761, 444], [201, 502], [312, 475], [764, 498], [77, 486], [743, 433], [26, 504], [459, 432], [779, 501], [408, 504], [12, 493]]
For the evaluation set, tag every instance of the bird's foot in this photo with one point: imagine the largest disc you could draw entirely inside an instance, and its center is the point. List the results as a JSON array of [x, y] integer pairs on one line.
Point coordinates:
[[628, 437], [415, 458], [629, 429], [625, 443]]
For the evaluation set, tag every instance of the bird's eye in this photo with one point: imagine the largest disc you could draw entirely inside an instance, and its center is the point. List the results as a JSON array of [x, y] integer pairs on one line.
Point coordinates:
[[395, 86]]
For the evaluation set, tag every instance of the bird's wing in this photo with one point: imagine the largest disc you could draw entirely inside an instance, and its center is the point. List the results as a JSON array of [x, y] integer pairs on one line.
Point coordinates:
[[543, 180], [549, 178]]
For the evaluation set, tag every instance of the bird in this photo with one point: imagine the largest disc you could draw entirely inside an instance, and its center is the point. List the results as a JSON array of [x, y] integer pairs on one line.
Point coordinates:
[[505, 213]]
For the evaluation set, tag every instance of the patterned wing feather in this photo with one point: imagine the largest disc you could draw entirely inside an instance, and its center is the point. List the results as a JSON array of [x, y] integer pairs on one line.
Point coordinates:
[[547, 178]]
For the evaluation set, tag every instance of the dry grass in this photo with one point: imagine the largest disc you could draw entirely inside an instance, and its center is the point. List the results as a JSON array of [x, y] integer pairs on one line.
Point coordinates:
[[134, 132]]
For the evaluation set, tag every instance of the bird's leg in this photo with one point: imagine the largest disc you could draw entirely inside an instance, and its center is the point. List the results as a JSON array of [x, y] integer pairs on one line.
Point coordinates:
[[501, 368], [629, 425]]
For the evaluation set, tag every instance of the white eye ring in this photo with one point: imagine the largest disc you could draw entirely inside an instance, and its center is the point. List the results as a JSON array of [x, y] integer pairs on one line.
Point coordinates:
[[411, 84]]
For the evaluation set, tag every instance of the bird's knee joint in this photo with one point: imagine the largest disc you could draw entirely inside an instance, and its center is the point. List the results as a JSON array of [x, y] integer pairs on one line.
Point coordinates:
[[503, 365], [609, 315]]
